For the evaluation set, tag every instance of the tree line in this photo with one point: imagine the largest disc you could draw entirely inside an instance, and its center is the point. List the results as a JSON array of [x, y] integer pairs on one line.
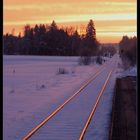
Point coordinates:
[[128, 49], [51, 40]]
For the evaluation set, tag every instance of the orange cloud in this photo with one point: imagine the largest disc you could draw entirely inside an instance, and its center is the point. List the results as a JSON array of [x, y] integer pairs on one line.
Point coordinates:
[[120, 14]]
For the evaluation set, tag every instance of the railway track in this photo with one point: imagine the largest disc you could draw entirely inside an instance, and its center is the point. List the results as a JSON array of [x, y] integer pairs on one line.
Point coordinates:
[[69, 101], [94, 107]]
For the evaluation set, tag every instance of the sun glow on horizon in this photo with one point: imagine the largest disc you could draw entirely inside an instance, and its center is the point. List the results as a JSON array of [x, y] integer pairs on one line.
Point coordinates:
[[112, 18]]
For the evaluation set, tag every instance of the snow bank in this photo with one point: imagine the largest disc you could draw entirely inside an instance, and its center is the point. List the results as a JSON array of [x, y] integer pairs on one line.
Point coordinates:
[[132, 71]]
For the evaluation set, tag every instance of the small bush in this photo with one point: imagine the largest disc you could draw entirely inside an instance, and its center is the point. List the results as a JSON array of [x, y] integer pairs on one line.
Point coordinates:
[[93, 60], [73, 70], [62, 71], [85, 60], [99, 60], [42, 86], [12, 91]]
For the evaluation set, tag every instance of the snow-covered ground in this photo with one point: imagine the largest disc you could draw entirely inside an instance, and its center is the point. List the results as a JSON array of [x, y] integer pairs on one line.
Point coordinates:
[[32, 85], [131, 71], [69, 122], [33, 88]]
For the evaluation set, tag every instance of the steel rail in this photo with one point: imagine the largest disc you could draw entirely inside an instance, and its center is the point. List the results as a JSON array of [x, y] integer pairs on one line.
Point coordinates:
[[34, 130], [94, 108]]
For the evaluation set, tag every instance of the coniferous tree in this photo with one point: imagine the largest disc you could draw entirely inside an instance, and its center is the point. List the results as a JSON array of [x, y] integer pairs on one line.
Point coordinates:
[[53, 26], [75, 43], [89, 41], [128, 47], [90, 30]]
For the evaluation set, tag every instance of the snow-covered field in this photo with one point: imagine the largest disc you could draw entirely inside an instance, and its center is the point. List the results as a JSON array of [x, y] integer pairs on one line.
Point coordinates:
[[32, 85], [33, 88]]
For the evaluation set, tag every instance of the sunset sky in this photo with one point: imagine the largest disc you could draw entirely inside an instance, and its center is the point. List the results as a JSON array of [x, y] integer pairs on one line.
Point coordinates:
[[112, 18]]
